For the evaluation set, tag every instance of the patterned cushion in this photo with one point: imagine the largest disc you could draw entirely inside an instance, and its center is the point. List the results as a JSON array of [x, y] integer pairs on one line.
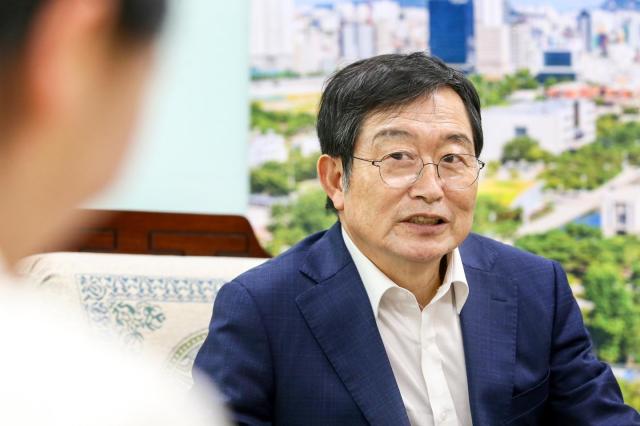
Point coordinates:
[[156, 306]]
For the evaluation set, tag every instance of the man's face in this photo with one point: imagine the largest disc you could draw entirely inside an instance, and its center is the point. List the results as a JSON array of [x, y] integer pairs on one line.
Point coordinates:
[[71, 100], [394, 226]]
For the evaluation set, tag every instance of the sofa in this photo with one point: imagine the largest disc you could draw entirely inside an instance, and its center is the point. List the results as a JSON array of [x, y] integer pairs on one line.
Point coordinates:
[[147, 280], [154, 306]]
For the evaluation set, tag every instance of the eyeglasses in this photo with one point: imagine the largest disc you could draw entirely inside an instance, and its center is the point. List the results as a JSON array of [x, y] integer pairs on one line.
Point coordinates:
[[402, 169]]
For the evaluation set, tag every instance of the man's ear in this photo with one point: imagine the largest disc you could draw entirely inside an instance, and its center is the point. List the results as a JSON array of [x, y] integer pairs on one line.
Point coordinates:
[[61, 49], [331, 175]]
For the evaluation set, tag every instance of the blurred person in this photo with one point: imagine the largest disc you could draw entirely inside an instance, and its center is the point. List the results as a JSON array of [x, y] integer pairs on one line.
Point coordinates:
[[398, 315], [72, 74]]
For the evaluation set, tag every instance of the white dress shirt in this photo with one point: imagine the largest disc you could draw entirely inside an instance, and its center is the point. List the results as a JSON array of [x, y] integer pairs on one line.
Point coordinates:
[[425, 347]]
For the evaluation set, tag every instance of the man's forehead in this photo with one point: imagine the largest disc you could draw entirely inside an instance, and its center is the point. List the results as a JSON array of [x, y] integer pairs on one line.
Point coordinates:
[[439, 111]]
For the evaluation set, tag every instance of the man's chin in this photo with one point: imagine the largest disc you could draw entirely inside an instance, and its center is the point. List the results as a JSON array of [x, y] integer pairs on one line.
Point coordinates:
[[422, 253]]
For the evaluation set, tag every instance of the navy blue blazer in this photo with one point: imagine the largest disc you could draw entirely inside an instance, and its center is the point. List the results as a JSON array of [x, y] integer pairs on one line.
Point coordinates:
[[295, 342]]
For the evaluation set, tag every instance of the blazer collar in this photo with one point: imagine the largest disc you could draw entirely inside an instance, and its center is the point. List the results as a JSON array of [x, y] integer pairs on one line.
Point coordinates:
[[326, 256], [477, 254], [489, 323], [338, 313]]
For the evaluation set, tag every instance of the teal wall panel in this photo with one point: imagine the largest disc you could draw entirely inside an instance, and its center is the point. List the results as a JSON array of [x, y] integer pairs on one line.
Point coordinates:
[[191, 148]]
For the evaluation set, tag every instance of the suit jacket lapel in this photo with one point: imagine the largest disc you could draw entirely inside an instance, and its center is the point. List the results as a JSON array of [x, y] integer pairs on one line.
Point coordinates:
[[339, 315], [488, 321]]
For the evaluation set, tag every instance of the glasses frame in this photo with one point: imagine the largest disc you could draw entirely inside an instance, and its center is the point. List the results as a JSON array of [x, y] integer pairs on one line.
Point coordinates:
[[377, 163]]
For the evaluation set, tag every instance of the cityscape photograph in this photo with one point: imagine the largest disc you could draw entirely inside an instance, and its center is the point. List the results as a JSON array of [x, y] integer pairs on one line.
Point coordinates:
[[559, 83]]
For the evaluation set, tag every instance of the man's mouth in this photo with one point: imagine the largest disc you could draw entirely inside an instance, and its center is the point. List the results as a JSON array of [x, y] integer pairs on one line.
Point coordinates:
[[426, 220]]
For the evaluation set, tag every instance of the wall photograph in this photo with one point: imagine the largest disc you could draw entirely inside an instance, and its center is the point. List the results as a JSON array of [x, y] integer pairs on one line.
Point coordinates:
[[560, 90]]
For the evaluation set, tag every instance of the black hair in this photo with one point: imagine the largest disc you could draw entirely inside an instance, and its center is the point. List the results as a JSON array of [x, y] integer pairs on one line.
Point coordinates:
[[141, 18], [381, 83], [137, 19]]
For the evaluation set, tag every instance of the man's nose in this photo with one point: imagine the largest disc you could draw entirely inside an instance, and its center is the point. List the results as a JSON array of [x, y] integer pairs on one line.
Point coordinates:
[[428, 186]]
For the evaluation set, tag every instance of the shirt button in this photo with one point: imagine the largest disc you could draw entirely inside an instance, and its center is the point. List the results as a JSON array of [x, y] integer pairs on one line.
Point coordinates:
[[443, 416]]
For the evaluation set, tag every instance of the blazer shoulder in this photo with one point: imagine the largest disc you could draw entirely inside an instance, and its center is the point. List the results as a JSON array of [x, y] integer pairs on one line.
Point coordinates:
[[537, 278], [486, 253], [280, 272]]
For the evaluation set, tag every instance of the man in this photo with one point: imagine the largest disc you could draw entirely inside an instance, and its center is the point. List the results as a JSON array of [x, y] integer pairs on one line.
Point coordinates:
[[71, 78], [397, 315]]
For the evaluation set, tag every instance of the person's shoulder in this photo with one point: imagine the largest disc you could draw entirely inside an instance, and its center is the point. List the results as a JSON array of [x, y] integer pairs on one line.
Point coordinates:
[[282, 271], [536, 276], [84, 368], [487, 253]]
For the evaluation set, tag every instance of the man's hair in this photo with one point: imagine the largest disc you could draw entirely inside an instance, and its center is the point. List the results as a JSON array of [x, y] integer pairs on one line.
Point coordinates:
[[380, 84], [137, 19]]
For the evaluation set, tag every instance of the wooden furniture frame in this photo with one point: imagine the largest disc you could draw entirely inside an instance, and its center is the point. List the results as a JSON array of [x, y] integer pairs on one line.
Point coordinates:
[[135, 232]]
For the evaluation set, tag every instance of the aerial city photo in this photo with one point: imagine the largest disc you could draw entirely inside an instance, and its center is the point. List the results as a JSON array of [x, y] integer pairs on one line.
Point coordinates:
[[559, 83]]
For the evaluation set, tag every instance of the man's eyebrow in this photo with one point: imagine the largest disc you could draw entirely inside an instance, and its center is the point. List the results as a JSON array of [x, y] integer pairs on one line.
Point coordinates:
[[393, 133], [397, 133], [459, 138]]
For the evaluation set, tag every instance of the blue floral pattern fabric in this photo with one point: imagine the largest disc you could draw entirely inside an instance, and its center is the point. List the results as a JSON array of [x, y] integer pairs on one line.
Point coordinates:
[[131, 306], [152, 305]]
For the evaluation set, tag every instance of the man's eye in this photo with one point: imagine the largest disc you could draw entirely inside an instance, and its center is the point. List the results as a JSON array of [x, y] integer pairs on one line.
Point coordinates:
[[401, 156], [452, 159]]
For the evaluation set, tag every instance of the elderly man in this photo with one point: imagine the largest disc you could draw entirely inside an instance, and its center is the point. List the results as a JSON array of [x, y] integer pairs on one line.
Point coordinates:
[[397, 315]]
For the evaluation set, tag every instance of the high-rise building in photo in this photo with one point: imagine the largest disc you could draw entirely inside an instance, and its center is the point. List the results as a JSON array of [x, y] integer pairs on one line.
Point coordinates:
[[493, 48], [272, 34], [525, 53], [491, 13], [585, 30], [451, 28], [386, 18]]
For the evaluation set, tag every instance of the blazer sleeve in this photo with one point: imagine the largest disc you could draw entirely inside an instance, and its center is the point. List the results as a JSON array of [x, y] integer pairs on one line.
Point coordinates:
[[236, 356], [583, 390]]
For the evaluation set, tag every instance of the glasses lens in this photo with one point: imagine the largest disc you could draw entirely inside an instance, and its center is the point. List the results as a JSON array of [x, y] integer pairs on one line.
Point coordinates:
[[458, 171], [400, 169]]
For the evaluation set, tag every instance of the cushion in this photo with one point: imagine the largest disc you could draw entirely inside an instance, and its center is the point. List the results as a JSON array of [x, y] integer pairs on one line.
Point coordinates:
[[156, 306]]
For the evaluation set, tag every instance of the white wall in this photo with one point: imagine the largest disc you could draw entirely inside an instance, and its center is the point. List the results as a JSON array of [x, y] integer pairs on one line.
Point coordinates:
[[191, 154]]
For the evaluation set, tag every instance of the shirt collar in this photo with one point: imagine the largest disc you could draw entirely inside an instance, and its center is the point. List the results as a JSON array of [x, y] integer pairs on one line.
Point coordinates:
[[376, 283]]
